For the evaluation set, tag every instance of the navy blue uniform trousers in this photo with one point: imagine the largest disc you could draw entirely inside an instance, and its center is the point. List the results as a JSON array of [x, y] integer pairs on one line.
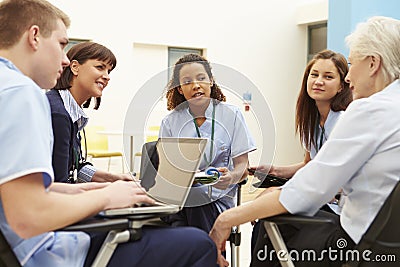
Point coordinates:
[[202, 217], [199, 212], [160, 246]]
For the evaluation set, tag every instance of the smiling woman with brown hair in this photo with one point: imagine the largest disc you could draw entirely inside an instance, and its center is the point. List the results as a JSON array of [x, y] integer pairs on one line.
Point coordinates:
[[323, 97], [86, 78]]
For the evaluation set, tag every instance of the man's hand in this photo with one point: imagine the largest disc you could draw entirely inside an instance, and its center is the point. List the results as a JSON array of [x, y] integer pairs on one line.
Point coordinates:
[[124, 194]]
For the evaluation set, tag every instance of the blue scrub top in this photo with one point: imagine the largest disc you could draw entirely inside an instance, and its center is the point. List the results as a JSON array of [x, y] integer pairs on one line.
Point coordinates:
[[26, 140]]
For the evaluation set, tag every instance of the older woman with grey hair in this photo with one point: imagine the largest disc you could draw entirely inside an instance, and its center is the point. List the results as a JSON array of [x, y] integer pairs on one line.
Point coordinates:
[[359, 157]]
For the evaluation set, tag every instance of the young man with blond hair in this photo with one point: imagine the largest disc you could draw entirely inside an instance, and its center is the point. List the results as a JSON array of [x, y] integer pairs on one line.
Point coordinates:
[[33, 37]]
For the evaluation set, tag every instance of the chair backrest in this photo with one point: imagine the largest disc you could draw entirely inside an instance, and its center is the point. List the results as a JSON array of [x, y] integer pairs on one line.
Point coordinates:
[[94, 140], [152, 133], [148, 164], [7, 256], [383, 235]]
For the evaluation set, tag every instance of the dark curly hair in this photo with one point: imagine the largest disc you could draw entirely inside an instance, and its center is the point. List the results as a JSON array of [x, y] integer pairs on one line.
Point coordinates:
[[174, 97], [307, 113], [83, 52]]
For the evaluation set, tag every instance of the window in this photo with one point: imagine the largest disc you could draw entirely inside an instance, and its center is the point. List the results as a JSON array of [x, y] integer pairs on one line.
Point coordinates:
[[74, 41], [317, 39], [174, 53]]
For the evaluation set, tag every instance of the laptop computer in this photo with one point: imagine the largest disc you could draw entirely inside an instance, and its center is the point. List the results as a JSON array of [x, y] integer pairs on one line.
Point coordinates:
[[167, 172]]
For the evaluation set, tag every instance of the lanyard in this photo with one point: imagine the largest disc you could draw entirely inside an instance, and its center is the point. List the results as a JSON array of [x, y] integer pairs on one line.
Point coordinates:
[[321, 138], [212, 134], [73, 173], [76, 160]]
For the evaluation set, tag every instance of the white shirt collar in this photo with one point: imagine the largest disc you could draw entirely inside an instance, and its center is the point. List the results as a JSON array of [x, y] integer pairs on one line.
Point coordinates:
[[74, 110]]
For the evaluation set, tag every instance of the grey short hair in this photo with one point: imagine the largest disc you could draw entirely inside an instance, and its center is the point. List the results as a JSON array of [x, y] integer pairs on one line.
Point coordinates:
[[379, 36]]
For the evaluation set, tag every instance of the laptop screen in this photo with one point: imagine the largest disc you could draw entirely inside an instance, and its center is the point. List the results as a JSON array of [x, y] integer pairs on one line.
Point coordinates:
[[168, 167]]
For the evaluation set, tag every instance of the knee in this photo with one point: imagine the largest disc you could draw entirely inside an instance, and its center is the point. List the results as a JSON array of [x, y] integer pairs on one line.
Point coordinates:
[[204, 239], [203, 243]]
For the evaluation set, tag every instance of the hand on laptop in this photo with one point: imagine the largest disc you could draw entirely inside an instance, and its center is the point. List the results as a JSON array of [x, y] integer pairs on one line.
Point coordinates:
[[125, 194], [102, 176]]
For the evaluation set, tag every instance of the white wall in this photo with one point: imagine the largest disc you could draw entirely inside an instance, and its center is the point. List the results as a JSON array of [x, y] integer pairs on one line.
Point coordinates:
[[264, 40]]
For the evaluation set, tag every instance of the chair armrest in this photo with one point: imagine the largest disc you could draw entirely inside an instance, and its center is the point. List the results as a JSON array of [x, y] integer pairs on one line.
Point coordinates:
[[94, 224], [119, 230], [289, 218], [116, 222], [243, 182], [272, 229]]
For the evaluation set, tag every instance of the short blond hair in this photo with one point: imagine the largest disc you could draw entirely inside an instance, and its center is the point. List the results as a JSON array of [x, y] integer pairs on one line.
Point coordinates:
[[17, 16]]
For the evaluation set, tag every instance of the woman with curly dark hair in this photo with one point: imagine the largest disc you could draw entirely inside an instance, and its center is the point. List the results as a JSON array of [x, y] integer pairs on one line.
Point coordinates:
[[174, 95], [199, 110]]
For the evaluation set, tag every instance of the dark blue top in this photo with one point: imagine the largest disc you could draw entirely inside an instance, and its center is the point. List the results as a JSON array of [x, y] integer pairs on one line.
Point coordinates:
[[67, 153]]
